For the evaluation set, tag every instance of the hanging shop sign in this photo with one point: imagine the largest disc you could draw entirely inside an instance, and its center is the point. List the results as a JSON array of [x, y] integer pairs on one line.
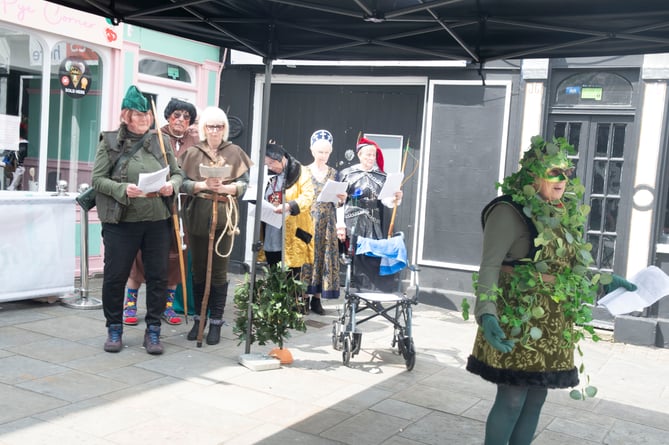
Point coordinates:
[[75, 79]]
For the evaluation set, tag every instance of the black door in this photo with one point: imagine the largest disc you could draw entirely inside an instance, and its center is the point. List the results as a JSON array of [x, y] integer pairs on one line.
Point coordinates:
[[347, 111]]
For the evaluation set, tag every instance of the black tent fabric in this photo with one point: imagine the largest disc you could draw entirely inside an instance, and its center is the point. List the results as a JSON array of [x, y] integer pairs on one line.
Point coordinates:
[[474, 30]]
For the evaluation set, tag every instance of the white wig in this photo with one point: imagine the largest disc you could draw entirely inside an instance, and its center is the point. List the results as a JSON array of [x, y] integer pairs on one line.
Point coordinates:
[[213, 116]]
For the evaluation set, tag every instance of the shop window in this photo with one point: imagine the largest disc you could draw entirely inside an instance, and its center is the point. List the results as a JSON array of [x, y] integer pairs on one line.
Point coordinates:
[[165, 70], [605, 189], [572, 132], [74, 114], [21, 67], [594, 89]]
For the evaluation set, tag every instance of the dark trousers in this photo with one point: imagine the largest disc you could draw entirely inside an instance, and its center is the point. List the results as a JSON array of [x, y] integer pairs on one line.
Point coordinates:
[[122, 242], [274, 258], [199, 250]]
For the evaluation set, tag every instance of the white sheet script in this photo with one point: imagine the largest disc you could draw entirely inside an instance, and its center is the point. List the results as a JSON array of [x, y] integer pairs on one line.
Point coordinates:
[[152, 182], [652, 284]]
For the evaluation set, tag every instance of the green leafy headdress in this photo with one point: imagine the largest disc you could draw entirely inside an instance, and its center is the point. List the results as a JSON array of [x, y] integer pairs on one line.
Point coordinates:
[[537, 160]]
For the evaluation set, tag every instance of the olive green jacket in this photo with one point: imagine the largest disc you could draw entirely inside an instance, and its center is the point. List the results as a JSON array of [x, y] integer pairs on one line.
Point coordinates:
[[148, 159]]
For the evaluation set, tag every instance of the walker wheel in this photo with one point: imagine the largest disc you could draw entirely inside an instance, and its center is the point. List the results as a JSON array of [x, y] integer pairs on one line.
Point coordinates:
[[409, 353], [357, 343], [336, 336], [346, 353]]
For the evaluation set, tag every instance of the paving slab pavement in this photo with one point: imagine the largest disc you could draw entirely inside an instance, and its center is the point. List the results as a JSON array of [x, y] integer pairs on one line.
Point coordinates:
[[57, 385]]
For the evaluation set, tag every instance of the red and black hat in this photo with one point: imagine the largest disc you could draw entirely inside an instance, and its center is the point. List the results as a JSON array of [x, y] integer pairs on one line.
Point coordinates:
[[364, 142]]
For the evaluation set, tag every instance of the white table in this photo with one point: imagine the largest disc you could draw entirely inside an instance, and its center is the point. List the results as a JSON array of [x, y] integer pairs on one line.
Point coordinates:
[[37, 247]]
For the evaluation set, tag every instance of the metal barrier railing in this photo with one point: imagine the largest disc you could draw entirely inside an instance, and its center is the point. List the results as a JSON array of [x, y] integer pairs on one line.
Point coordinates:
[[81, 299]]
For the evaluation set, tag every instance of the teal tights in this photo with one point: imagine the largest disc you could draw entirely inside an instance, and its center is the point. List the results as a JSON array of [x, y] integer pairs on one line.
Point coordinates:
[[514, 416]]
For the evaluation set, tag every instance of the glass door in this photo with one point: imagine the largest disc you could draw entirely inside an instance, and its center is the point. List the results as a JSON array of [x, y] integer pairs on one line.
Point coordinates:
[[74, 114], [603, 165]]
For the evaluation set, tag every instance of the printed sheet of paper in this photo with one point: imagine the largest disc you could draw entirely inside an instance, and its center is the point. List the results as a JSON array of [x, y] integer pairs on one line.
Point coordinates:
[[652, 284], [331, 190], [392, 185], [252, 189], [267, 214], [152, 182]]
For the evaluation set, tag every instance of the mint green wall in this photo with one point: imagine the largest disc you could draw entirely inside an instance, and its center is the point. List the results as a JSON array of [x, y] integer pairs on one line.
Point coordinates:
[[128, 69], [211, 88], [179, 47]]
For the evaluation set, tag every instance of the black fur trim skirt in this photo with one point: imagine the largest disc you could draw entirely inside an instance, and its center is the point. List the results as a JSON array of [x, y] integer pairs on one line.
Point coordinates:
[[548, 379]]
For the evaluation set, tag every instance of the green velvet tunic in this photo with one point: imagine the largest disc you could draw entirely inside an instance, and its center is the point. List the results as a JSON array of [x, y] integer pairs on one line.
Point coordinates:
[[550, 361]]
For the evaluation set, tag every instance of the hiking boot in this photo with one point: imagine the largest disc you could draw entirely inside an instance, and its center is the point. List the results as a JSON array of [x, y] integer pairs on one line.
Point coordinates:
[[152, 340], [169, 315], [130, 308], [316, 306], [214, 335], [192, 334], [114, 334]]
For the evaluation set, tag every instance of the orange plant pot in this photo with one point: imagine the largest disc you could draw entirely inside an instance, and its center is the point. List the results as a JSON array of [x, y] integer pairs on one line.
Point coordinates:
[[283, 354]]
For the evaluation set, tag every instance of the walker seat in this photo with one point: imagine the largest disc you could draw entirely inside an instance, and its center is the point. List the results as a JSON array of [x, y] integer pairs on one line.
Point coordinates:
[[373, 288]]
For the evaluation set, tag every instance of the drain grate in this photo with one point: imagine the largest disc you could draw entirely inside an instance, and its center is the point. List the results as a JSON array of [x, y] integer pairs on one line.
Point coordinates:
[[315, 324]]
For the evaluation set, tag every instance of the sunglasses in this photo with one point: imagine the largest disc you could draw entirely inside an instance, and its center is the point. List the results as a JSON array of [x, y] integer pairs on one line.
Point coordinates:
[[179, 115], [559, 174], [214, 127]]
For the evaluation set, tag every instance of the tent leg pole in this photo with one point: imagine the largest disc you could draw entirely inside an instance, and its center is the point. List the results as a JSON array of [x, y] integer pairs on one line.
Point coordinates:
[[259, 197]]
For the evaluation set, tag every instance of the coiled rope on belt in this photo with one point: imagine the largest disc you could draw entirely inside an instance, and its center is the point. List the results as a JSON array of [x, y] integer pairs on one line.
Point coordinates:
[[231, 227]]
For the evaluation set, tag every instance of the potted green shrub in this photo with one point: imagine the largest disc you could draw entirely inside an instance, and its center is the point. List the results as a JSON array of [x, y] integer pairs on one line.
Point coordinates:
[[274, 309]]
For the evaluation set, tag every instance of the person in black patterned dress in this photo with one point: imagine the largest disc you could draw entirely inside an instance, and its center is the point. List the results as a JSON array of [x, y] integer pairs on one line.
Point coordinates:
[[324, 272], [363, 212]]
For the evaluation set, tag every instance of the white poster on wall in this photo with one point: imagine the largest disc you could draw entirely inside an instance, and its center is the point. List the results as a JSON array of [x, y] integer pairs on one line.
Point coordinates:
[[9, 132]]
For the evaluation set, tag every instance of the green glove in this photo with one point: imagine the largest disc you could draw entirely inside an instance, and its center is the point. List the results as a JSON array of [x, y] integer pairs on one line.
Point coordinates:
[[495, 335], [618, 281]]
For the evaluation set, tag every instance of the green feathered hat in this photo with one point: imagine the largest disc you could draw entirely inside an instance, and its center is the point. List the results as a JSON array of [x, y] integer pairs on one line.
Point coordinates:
[[135, 100]]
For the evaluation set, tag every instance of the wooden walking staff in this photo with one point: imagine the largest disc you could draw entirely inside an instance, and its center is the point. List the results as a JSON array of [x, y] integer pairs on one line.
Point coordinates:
[[207, 281], [175, 223], [391, 227]]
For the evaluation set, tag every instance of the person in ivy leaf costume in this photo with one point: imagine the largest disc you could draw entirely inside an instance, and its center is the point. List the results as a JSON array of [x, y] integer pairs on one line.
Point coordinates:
[[533, 290]]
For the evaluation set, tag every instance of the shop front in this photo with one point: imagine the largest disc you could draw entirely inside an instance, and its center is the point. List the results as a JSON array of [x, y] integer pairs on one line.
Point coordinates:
[[63, 74], [54, 69]]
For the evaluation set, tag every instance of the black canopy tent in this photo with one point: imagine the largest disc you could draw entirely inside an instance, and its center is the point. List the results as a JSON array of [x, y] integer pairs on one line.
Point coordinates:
[[477, 31], [474, 30]]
